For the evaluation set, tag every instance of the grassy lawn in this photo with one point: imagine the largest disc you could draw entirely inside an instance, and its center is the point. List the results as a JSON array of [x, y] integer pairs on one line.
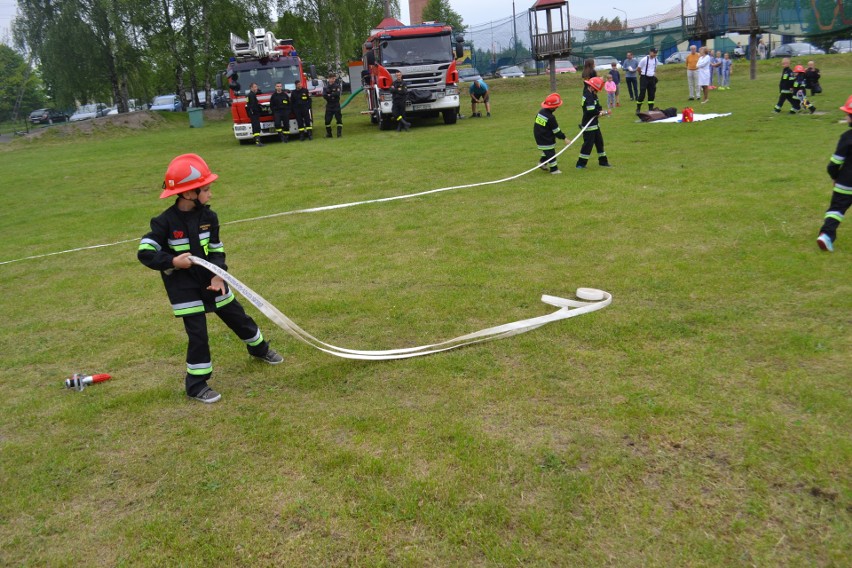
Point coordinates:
[[703, 419]]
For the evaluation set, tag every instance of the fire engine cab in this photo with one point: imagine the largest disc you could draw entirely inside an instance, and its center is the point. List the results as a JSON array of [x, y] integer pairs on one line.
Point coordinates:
[[426, 55], [265, 60]]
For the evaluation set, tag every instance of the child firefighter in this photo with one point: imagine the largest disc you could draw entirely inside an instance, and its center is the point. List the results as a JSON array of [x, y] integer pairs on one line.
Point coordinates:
[[840, 170], [592, 136], [190, 228], [546, 130]]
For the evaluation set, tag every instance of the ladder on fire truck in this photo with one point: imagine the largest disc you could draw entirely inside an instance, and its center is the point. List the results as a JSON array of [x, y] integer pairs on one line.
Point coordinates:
[[261, 44]]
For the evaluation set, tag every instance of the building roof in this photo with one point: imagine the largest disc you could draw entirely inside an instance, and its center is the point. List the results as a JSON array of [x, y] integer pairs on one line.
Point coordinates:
[[548, 4], [389, 23]]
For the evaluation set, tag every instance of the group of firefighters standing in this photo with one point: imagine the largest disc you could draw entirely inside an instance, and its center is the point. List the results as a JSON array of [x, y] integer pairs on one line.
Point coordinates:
[[298, 101]]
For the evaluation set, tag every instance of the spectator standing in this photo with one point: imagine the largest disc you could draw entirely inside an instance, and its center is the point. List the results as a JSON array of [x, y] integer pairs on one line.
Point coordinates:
[[331, 93], [589, 69], [840, 171], [704, 70], [727, 65], [812, 77], [647, 79], [479, 91], [610, 87], [629, 65], [761, 50], [616, 78], [716, 69], [692, 73]]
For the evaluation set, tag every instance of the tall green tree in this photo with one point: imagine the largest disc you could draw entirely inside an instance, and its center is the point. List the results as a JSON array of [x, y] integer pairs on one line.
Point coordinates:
[[20, 86], [441, 11], [329, 32]]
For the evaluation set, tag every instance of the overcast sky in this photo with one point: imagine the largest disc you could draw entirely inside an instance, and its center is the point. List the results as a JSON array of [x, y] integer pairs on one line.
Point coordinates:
[[483, 11]]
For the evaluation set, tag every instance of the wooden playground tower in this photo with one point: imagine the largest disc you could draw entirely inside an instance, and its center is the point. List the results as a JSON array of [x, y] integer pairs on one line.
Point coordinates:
[[556, 41], [743, 19]]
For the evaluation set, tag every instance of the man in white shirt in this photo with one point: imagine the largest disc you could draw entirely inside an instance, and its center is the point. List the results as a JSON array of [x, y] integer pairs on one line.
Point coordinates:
[[647, 79]]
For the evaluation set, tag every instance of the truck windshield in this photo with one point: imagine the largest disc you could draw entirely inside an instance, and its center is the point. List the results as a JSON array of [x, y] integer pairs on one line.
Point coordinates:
[[266, 77], [416, 51]]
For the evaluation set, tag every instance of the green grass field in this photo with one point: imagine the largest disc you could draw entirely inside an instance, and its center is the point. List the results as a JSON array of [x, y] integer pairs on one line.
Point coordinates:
[[703, 419]]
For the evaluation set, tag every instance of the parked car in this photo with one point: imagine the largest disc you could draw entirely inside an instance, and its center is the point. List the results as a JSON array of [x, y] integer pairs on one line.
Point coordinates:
[[677, 57], [841, 46], [564, 66], [604, 63], [469, 75], [93, 110], [796, 50], [509, 71], [47, 116], [170, 103]]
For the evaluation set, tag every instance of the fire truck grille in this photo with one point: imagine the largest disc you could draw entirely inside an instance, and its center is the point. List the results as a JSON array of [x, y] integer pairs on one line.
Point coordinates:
[[431, 80]]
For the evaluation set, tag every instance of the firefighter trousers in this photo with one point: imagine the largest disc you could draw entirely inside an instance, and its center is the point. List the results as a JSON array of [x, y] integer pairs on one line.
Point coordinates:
[[199, 365], [335, 114], [282, 120], [592, 139], [840, 203], [303, 119], [794, 102]]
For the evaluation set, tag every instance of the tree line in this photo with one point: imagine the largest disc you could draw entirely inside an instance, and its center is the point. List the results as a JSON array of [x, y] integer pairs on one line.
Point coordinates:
[[83, 51]]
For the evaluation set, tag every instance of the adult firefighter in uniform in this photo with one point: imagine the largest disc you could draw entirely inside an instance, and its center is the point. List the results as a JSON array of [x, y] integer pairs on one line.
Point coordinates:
[[300, 98], [279, 104], [399, 96], [254, 110], [190, 227], [331, 93], [592, 136]]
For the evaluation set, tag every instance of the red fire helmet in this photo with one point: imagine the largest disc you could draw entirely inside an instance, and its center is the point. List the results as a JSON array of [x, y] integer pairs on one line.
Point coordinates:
[[553, 100], [185, 173], [847, 108], [798, 69], [596, 83]]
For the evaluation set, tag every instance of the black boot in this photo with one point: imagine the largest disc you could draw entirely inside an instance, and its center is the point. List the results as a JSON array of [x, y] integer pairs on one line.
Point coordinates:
[[310, 134], [281, 136], [406, 125], [301, 136], [257, 141], [339, 131], [328, 132]]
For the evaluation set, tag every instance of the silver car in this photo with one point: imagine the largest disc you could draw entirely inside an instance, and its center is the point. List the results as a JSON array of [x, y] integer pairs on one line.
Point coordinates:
[[86, 112], [509, 72], [841, 46], [796, 50]]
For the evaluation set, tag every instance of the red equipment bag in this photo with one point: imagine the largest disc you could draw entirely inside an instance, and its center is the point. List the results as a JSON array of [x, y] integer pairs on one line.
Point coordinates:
[[687, 115]]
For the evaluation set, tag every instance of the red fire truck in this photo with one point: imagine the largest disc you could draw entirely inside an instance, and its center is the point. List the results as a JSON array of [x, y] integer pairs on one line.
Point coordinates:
[[265, 60], [426, 54]]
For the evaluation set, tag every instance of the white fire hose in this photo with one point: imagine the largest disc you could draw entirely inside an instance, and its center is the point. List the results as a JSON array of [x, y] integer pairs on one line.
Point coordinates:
[[591, 300]]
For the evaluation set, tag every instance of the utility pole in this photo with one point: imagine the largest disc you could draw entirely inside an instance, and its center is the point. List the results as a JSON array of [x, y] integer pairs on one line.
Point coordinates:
[[514, 32]]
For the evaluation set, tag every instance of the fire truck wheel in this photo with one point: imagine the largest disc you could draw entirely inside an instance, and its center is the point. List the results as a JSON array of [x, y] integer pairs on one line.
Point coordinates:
[[450, 115], [385, 124]]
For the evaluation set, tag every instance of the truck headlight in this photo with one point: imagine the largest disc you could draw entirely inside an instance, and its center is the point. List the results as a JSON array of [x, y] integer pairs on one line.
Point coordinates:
[[386, 97], [452, 91]]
